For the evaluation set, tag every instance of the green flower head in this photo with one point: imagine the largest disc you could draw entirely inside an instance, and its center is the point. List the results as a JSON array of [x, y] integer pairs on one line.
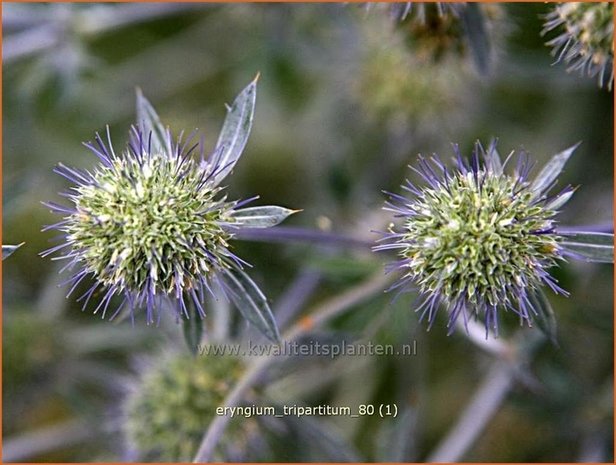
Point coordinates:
[[586, 41], [478, 240], [151, 224], [173, 402]]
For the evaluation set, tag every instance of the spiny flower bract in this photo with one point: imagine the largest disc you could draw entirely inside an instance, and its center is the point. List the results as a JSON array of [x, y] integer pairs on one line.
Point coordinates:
[[151, 225], [475, 239], [586, 42]]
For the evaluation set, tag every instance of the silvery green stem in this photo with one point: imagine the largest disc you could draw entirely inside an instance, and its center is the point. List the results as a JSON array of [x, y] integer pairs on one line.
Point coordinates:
[[318, 316], [29, 42], [295, 296], [37, 442], [290, 234], [219, 424], [486, 401], [339, 304], [480, 410]]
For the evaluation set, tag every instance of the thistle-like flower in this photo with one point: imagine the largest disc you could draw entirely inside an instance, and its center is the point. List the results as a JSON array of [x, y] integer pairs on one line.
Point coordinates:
[[172, 403], [587, 42], [479, 241], [438, 30], [151, 225]]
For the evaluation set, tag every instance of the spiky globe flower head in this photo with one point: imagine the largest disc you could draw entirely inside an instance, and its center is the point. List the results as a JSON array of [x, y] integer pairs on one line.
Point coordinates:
[[586, 41], [150, 224], [439, 30], [173, 402], [478, 240], [388, 92], [433, 31]]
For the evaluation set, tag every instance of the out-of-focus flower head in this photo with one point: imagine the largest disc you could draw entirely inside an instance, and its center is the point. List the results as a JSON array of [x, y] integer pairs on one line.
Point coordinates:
[[172, 402], [586, 39], [438, 30]]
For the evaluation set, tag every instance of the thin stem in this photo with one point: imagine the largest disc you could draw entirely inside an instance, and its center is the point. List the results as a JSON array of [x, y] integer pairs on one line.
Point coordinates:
[[337, 305], [296, 295], [46, 439], [477, 414], [294, 234], [318, 316], [488, 398], [29, 42]]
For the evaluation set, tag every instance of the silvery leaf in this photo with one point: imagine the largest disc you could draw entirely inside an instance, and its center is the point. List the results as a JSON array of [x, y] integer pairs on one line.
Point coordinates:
[[250, 301], [235, 131], [7, 250], [550, 172], [151, 126], [261, 217], [593, 246], [493, 159], [559, 200]]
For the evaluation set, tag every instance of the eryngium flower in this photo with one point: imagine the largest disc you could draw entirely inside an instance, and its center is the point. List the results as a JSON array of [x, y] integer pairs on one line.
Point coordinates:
[[435, 31], [150, 224], [478, 240], [587, 42], [173, 402]]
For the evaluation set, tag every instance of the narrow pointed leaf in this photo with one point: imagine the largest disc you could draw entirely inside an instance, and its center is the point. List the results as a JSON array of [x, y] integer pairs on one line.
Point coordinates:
[[493, 159], [250, 301], [8, 250], [545, 318], [235, 131], [559, 201], [192, 328], [477, 36], [149, 123], [261, 217], [550, 172], [593, 246]]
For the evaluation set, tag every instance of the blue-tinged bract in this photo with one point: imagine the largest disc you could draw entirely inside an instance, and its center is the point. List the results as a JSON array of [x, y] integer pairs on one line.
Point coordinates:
[[146, 225], [475, 239], [152, 226]]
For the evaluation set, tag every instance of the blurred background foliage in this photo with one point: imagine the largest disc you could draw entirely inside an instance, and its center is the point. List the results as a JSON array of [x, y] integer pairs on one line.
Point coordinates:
[[348, 96]]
